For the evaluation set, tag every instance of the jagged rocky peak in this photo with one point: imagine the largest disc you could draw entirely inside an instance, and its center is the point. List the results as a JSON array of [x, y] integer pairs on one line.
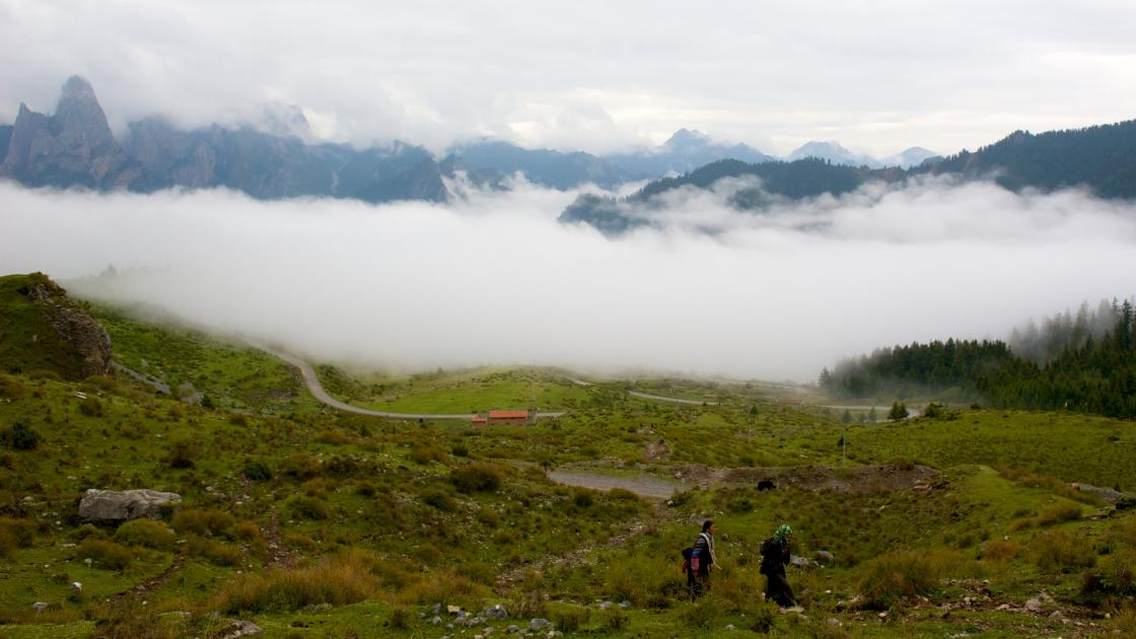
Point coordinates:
[[78, 112]]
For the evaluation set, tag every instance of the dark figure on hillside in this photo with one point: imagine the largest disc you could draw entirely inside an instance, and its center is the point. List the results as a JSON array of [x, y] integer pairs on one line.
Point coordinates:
[[774, 557], [701, 560]]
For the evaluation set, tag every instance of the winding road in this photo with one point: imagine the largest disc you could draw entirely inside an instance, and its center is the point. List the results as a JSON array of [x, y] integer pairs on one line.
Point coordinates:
[[311, 380]]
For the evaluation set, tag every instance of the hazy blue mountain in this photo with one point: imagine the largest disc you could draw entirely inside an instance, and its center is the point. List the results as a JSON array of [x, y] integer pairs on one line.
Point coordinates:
[[779, 181], [492, 162], [1101, 159], [909, 158], [833, 152], [5, 138], [685, 151], [75, 147]]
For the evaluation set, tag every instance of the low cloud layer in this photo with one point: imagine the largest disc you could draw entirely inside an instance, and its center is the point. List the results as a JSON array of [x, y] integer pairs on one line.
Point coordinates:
[[496, 279]]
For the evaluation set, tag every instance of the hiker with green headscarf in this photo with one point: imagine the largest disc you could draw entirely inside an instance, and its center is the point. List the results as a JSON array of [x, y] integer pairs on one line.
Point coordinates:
[[774, 557]]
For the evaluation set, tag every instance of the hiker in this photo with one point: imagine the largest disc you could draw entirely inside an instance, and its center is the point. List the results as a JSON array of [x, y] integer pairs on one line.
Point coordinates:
[[701, 560], [774, 558]]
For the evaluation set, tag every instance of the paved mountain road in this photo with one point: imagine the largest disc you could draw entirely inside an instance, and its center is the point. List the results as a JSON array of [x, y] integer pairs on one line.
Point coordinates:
[[321, 395]]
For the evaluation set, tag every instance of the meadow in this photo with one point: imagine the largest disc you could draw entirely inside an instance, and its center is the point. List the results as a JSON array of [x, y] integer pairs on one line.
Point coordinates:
[[310, 522]]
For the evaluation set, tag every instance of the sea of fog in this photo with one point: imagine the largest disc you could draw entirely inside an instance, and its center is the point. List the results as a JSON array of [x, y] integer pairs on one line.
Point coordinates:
[[493, 278]]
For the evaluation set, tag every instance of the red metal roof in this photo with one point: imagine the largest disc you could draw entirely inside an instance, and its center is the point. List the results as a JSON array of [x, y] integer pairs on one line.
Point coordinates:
[[508, 414]]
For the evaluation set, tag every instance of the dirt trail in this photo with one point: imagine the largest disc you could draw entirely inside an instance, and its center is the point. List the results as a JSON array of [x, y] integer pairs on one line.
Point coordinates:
[[649, 486]]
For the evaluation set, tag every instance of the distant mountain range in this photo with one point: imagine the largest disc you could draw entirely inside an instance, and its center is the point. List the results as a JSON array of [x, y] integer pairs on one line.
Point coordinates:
[[1100, 159], [74, 146]]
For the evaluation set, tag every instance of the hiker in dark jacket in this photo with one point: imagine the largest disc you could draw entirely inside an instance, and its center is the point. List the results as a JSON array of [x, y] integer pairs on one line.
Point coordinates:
[[702, 559], [774, 557]]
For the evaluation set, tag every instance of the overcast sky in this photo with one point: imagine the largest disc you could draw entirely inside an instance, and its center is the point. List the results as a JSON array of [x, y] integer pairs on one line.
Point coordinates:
[[877, 76]]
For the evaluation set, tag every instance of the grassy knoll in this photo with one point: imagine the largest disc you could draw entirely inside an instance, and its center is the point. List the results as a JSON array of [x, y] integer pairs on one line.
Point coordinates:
[[469, 391]]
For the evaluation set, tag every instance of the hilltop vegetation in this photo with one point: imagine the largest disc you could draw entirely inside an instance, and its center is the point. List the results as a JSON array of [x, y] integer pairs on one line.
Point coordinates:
[[1089, 374], [313, 523]]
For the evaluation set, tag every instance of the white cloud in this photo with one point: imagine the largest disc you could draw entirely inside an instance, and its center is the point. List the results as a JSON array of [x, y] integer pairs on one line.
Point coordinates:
[[498, 280]]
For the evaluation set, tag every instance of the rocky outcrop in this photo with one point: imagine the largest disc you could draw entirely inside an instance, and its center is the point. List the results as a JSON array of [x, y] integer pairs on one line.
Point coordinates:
[[109, 506], [75, 147], [42, 328]]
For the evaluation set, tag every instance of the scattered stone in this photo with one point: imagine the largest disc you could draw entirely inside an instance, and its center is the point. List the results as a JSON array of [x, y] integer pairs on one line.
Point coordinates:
[[730, 627], [539, 624], [605, 605], [116, 506], [800, 562], [625, 604], [513, 629], [824, 558], [453, 610], [1039, 603], [437, 621], [242, 628], [40, 606], [496, 612]]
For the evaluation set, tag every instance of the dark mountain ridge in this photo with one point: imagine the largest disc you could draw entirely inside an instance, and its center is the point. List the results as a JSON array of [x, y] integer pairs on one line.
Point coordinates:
[[1100, 159]]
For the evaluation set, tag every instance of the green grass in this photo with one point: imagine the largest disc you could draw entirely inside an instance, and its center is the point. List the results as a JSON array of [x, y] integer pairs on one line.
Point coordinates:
[[478, 390], [393, 497]]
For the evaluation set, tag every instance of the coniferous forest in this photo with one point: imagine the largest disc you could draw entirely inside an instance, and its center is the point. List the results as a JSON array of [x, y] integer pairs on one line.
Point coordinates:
[[1068, 364]]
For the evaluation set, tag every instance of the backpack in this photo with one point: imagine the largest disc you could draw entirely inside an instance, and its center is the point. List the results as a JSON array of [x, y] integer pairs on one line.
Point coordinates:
[[686, 554]]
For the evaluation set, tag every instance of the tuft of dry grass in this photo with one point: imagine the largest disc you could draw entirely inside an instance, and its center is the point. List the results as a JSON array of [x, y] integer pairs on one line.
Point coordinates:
[[1057, 552], [339, 580], [890, 579]]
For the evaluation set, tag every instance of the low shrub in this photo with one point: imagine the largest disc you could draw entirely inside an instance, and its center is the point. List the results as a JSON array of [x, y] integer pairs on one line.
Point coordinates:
[[704, 613], [569, 618], [255, 470], [440, 500], [214, 551], [106, 554], [340, 580], [16, 533], [182, 454], [1059, 552], [890, 579], [1059, 513], [426, 454], [20, 436], [476, 477], [11, 388], [762, 618], [145, 532], [300, 466], [312, 508], [248, 531], [203, 521], [1000, 550], [91, 407]]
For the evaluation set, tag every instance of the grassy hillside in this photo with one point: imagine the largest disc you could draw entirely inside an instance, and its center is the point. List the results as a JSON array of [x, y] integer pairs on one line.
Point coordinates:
[[314, 523], [42, 330]]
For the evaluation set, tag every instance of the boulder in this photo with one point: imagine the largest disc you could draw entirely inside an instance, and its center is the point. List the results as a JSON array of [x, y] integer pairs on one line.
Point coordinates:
[[116, 506], [242, 629]]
